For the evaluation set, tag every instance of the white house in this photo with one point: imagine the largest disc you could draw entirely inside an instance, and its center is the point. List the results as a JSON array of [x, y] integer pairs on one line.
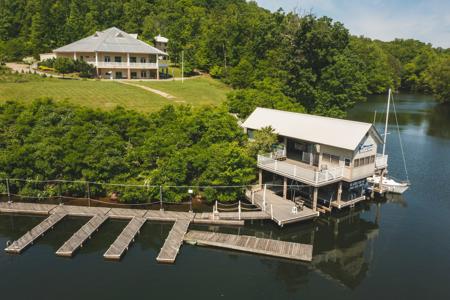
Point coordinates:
[[324, 161], [116, 54]]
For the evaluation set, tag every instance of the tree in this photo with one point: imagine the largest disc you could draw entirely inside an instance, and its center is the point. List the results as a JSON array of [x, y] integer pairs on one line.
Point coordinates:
[[438, 77], [63, 65], [262, 142], [267, 93]]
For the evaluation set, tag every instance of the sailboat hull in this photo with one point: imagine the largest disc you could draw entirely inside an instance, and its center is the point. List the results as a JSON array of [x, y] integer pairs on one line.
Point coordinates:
[[389, 185]]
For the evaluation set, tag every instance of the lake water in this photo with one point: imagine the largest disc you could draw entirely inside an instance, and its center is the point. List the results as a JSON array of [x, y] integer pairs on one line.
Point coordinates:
[[394, 248]]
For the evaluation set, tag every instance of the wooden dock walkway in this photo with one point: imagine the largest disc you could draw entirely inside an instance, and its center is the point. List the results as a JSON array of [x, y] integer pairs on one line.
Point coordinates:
[[76, 241], [173, 241], [28, 238], [289, 250], [281, 210], [123, 241]]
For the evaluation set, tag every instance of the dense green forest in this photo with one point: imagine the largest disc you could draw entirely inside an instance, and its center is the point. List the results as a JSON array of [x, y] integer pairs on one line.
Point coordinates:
[[302, 63], [176, 146]]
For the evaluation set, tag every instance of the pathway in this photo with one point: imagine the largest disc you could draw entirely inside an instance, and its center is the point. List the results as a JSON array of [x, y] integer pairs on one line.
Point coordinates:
[[155, 91]]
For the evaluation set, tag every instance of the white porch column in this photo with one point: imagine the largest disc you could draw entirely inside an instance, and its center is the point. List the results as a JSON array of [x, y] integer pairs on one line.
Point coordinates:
[[157, 67], [260, 178], [339, 193], [74, 56], [285, 188], [128, 65], [314, 204], [96, 62]]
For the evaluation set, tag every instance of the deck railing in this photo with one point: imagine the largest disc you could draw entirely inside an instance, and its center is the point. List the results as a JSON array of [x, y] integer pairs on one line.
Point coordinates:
[[381, 161], [126, 65], [297, 172]]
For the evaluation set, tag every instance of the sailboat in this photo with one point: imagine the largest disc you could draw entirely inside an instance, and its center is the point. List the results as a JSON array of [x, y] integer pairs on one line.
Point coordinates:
[[382, 182]]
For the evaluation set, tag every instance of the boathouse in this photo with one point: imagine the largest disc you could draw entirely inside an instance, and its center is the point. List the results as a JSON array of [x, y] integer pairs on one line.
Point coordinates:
[[318, 161]]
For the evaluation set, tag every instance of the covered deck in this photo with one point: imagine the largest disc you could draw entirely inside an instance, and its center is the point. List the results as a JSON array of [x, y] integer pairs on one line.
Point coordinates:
[[282, 211]]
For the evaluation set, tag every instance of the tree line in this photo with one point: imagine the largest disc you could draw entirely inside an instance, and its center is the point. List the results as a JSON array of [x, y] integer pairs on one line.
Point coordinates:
[[175, 147], [301, 62]]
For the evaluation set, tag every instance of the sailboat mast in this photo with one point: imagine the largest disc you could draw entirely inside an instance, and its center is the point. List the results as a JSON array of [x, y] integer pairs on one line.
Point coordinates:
[[387, 121]]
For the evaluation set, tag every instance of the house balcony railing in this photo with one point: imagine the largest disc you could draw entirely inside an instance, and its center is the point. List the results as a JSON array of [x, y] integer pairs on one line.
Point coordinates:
[[299, 173], [125, 65], [381, 161]]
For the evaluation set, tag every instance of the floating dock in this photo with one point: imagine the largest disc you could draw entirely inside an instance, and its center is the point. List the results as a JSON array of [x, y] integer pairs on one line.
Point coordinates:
[[125, 238], [86, 231], [251, 244], [174, 240], [28, 238]]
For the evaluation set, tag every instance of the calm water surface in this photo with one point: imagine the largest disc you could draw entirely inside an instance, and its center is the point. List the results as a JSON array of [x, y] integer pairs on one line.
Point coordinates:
[[394, 248]]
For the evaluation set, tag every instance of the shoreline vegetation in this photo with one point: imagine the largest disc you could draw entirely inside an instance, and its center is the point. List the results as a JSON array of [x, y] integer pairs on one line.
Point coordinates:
[[105, 131], [177, 146]]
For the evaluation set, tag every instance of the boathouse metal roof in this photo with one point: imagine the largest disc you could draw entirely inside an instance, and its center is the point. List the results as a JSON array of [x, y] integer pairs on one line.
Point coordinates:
[[334, 132], [110, 40]]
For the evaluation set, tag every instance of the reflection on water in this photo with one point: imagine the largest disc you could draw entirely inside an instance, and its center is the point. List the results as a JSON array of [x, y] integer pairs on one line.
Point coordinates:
[[343, 245], [416, 114]]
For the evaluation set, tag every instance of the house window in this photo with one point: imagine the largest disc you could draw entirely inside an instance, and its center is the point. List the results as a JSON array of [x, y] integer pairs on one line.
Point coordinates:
[[133, 59], [81, 57], [251, 134], [133, 75], [119, 75], [107, 59], [118, 59], [143, 59], [347, 162], [143, 74]]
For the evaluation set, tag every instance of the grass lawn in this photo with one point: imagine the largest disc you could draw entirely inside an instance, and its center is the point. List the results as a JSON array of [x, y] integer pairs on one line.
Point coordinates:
[[195, 91], [109, 94]]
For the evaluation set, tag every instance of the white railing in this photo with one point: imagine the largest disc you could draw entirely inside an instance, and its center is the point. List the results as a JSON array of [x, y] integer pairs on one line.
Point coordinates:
[[297, 172], [381, 161], [277, 154], [126, 65]]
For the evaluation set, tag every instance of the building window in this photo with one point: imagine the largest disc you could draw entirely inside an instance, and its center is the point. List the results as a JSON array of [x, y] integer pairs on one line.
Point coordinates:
[[81, 57], [347, 162], [329, 158], [118, 59], [251, 134], [107, 59], [144, 74], [359, 162], [143, 59], [133, 75], [133, 59], [119, 75]]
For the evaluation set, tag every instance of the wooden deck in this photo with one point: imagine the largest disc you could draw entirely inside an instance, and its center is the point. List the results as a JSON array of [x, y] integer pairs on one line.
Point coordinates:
[[281, 210], [121, 244], [173, 242], [79, 237], [342, 204], [28, 238], [26, 208], [251, 244]]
